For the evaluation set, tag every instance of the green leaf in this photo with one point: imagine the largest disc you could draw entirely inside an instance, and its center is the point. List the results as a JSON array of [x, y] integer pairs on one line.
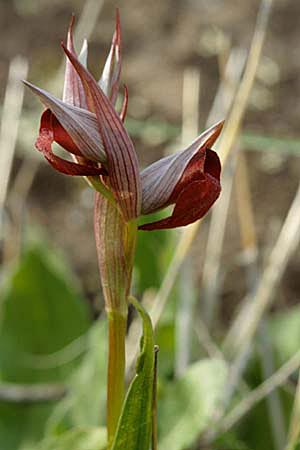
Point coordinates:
[[77, 439], [84, 405], [42, 313], [135, 424], [188, 404]]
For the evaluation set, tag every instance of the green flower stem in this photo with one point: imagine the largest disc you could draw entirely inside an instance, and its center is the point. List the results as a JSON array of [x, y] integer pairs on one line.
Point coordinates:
[[154, 401], [97, 184], [116, 371]]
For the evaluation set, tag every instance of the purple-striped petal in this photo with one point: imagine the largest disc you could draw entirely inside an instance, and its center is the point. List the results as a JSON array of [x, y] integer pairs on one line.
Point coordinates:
[[50, 131], [73, 92], [160, 179], [79, 123], [194, 195], [122, 163], [110, 78]]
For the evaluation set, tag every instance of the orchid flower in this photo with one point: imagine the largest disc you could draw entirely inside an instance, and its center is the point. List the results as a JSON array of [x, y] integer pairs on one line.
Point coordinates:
[[86, 124]]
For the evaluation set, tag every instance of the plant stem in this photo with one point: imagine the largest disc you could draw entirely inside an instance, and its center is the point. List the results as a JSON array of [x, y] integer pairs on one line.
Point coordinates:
[[116, 371], [154, 402]]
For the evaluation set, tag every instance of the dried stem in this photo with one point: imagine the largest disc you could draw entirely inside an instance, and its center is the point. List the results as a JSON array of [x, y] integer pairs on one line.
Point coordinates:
[[11, 113], [227, 139], [187, 297], [253, 310], [212, 261], [258, 394], [211, 283], [250, 260]]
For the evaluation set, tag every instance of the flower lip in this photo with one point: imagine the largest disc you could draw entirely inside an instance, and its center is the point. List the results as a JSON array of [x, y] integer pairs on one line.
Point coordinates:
[[160, 179], [50, 132], [194, 197]]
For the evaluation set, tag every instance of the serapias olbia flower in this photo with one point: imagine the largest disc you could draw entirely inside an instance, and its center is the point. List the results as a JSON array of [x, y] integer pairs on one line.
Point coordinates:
[[86, 124]]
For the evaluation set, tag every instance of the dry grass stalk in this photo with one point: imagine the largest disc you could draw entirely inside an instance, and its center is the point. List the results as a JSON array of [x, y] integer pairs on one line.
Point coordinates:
[[212, 274], [185, 305], [250, 255], [258, 394], [12, 107], [211, 282], [229, 135], [246, 323]]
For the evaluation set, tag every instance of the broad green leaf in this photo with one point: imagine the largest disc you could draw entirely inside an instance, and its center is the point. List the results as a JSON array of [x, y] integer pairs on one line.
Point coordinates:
[[188, 404], [77, 439], [134, 428], [84, 405], [42, 313], [21, 425]]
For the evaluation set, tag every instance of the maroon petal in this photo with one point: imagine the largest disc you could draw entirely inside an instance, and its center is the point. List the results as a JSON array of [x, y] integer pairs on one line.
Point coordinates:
[[110, 79], [121, 157], [79, 123], [193, 203], [162, 179], [50, 124], [195, 197], [44, 143], [73, 90], [72, 168]]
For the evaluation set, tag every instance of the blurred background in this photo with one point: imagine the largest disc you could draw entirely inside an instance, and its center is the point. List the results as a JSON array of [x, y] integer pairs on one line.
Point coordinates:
[[227, 290]]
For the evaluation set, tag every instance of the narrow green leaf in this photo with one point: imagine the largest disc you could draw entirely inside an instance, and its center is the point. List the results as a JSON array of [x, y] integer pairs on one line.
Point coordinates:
[[134, 429], [188, 404]]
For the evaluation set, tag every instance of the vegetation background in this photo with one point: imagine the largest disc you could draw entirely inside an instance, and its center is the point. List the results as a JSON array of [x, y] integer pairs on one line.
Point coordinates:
[[177, 55]]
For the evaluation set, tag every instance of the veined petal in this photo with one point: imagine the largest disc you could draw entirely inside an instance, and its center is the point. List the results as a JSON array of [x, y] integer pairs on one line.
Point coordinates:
[[193, 203], [122, 163], [110, 78], [44, 144], [160, 179], [79, 123], [73, 92]]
